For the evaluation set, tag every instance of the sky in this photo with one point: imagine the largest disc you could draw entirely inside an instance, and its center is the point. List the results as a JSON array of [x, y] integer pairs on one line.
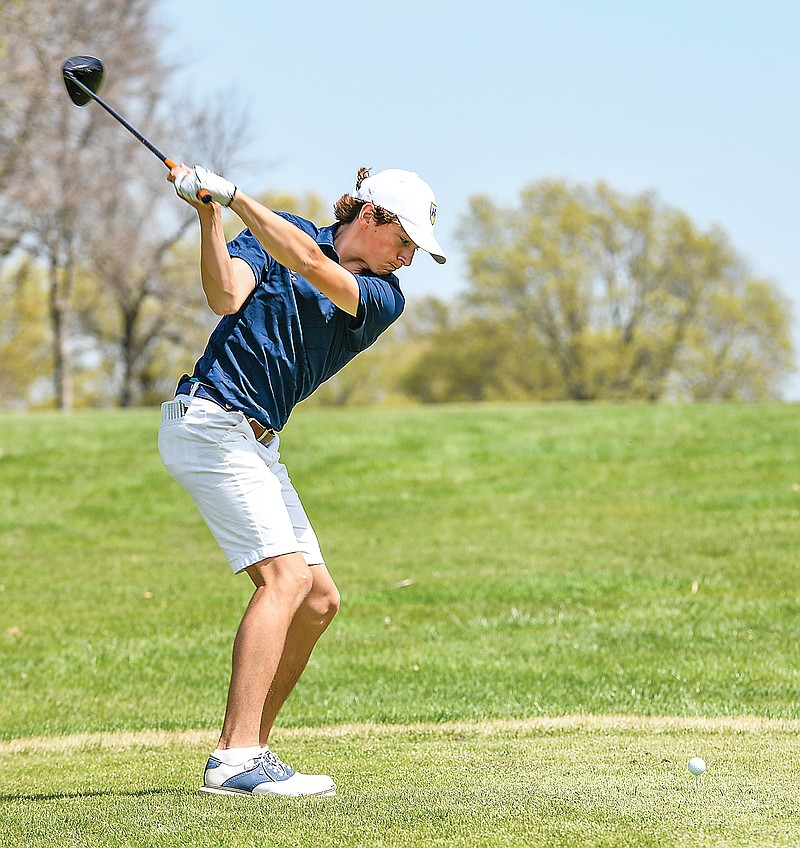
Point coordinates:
[[697, 101]]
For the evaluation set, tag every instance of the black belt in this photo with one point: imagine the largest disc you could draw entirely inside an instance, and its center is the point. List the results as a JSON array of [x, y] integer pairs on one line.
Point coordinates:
[[263, 434], [203, 391]]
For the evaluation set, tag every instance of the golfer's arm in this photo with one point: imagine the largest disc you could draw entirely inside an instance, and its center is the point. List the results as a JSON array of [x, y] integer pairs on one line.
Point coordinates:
[[296, 250], [226, 283]]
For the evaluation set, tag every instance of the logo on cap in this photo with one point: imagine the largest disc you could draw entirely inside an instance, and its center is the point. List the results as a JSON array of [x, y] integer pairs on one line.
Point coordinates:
[[433, 214]]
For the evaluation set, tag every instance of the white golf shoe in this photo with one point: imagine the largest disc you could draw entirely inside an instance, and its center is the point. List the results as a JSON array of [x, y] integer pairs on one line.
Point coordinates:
[[263, 775]]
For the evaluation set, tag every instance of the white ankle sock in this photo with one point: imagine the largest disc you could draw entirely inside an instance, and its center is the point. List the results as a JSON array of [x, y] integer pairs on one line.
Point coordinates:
[[235, 756]]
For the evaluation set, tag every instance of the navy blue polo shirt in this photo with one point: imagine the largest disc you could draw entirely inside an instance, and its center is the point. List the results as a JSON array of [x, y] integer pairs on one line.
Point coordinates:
[[288, 338]]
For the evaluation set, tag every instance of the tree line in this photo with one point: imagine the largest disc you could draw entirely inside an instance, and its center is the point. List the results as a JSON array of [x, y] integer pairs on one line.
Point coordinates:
[[96, 303], [583, 293], [576, 292]]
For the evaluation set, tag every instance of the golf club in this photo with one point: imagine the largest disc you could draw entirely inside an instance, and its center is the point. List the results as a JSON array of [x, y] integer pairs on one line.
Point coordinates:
[[83, 76]]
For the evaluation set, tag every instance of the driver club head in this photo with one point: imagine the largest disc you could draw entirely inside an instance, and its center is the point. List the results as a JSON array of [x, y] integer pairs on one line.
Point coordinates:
[[87, 70]]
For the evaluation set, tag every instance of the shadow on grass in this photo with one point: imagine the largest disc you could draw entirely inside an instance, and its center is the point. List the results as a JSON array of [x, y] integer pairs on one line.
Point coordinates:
[[63, 796]]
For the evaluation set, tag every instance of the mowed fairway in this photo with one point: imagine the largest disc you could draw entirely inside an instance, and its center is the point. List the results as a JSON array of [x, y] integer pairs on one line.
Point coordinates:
[[546, 611]]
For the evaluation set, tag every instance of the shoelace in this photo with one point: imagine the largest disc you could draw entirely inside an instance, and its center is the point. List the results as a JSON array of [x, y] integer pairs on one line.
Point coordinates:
[[276, 762]]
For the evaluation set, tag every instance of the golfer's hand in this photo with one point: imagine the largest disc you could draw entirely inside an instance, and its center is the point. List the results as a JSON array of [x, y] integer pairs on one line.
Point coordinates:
[[190, 181]]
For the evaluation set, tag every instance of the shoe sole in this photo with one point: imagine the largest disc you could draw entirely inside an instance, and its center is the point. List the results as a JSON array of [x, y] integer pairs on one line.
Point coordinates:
[[218, 790]]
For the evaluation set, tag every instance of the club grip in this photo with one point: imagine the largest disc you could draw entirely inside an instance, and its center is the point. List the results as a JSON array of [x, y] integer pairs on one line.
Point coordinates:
[[203, 195]]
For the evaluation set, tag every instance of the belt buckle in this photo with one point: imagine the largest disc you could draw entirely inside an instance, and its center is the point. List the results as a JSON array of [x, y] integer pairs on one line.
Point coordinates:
[[266, 435]]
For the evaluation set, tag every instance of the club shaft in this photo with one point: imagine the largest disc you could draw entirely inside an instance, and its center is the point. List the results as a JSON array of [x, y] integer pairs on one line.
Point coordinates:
[[114, 114]]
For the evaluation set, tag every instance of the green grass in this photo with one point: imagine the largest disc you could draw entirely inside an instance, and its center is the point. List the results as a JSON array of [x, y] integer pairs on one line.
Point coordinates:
[[495, 562], [616, 782]]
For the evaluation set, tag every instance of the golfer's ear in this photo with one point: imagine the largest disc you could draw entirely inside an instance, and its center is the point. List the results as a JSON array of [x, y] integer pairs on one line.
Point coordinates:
[[367, 214]]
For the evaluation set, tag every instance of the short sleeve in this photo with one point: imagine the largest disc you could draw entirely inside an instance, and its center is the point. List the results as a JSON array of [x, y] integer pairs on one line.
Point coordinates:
[[380, 304]]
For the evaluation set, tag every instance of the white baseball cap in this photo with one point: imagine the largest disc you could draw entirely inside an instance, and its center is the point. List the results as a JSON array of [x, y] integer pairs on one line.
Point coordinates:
[[411, 199]]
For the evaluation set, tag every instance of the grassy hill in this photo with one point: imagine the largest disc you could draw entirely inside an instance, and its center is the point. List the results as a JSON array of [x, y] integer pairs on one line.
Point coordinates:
[[496, 563]]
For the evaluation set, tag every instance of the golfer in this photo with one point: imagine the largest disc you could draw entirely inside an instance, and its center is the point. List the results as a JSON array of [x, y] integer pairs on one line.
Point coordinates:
[[298, 302]]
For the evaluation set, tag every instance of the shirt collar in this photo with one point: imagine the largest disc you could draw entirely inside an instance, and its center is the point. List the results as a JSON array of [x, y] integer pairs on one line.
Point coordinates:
[[325, 241]]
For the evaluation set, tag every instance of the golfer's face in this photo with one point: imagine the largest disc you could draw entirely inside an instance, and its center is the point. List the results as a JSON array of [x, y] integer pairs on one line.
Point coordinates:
[[389, 248]]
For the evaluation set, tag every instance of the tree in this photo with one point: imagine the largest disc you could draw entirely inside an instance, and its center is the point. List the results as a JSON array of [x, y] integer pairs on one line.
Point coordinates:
[[738, 341], [25, 360], [87, 201], [583, 293], [21, 105]]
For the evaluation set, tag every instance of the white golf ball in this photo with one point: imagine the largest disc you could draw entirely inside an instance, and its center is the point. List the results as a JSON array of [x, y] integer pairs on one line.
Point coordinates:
[[697, 765]]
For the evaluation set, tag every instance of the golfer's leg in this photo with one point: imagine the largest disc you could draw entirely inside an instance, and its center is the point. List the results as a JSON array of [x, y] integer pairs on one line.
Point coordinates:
[[282, 584], [309, 623]]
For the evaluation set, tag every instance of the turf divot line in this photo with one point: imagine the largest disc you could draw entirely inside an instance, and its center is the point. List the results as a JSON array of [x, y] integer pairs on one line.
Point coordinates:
[[150, 739]]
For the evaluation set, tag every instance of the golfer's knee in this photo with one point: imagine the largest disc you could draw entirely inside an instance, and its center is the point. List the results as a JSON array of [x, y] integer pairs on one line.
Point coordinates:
[[321, 605], [287, 576], [297, 582], [333, 602]]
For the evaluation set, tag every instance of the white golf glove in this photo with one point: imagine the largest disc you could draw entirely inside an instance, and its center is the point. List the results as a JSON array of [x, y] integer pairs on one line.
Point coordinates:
[[188, 186]]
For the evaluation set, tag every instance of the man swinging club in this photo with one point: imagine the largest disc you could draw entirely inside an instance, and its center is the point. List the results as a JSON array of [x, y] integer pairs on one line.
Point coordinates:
[[297, 303]]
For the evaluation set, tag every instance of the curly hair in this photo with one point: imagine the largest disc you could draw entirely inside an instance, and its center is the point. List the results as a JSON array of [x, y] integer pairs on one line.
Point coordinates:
[[346, 208]]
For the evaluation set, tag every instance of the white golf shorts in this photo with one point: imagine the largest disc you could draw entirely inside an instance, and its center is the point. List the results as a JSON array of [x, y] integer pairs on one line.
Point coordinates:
[[240, 486]]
